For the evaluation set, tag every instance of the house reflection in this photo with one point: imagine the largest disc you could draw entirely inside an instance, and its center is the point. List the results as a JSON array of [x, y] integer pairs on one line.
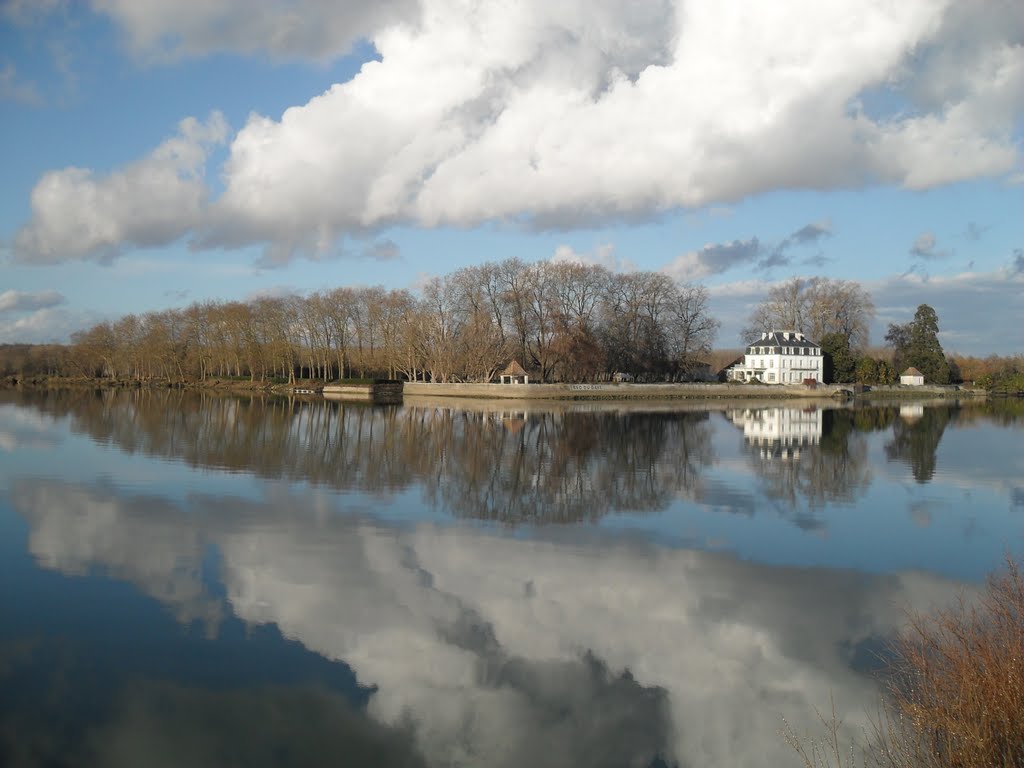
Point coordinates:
[[911, 412], [806, 458], [779, 433]]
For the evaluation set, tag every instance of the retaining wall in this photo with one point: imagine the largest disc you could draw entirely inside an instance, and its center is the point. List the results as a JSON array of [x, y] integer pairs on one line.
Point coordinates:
[[616, 391]]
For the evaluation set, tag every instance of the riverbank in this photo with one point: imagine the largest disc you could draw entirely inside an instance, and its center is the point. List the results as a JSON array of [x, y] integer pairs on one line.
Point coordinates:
[[520, 392], [679, 391]]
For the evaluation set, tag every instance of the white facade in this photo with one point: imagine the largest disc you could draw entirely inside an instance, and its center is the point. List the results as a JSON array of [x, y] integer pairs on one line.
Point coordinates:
[[779, 433], [912, 377], [780, 357]]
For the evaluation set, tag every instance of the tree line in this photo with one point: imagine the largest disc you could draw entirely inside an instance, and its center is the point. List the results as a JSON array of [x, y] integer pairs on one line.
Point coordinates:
[[563, 321]]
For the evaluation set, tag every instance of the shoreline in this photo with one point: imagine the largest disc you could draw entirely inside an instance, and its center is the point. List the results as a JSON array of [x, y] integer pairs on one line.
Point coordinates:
[[611, 392], [678, 391]]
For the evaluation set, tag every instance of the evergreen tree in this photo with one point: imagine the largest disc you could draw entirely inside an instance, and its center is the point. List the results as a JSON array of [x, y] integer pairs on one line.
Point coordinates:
[[839, 360], [917, 344], [925, 352]]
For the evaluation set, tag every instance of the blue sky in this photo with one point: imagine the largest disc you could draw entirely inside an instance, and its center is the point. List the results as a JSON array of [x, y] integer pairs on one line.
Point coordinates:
[[157, 153]]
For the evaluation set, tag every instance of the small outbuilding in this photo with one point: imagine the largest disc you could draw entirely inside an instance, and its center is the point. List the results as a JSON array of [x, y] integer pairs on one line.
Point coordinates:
[[912, 377], [514, 373]]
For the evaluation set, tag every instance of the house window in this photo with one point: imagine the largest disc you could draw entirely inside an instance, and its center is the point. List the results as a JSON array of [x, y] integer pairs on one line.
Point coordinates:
[[771, 377]]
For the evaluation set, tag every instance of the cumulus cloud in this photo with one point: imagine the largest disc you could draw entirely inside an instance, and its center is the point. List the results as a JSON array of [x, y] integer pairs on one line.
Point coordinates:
[[154, 201], [22, 301], [576, 112], [318, 29]]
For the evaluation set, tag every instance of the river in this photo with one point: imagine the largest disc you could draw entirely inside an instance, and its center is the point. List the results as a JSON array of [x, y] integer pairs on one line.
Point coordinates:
[[190, 579]]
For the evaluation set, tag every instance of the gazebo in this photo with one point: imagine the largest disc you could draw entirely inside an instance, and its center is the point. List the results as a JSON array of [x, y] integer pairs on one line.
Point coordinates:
[[514, 374]]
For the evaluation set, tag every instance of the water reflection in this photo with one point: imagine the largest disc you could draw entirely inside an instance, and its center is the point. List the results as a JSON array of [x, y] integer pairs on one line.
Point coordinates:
[[278, 619], [549, 466], [484, 648], [916, 436], [805, 457]]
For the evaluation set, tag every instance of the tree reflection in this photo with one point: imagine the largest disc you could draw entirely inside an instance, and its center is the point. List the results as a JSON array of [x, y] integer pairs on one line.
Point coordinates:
[[564, 467], [509, 466], [916, 439], [806, 457]]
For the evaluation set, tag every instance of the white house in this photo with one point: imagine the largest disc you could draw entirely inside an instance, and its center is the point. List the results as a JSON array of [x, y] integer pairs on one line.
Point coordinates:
[[780, 357], [913, 377]]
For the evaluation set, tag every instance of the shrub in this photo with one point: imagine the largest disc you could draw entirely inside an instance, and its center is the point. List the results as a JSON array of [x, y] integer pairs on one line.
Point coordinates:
[[955, 690], [957, 685]]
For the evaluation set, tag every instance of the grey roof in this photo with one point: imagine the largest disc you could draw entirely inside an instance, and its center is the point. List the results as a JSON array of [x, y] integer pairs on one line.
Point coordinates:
[[778, 339]]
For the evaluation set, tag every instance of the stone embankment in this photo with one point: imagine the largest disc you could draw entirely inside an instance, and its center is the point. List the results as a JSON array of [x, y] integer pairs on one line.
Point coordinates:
[[384, 391], [621, 391], [381, 392]]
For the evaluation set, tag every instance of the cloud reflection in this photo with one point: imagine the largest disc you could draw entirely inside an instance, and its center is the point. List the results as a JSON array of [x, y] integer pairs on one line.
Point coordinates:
[[494, 650]]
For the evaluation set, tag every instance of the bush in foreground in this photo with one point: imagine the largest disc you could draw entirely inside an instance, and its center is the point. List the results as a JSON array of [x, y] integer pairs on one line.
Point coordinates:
[[955, 690]]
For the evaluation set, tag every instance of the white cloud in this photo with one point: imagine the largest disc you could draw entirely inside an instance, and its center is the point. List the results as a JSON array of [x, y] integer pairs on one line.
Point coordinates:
[[23, 301], [713, 259], [979, 312], [317, 29], [155, 201], [561, 115], [45, 326], [924, 245], [574, 112], [13, 88], [601, 256]]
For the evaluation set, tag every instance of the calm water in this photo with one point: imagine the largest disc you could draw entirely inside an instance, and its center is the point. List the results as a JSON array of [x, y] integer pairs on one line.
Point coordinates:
[[207, 581]]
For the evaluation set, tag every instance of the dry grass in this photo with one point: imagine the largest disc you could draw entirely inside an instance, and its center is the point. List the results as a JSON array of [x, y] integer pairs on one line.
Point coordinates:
[[955, 690], [958, 682], [826, 751]]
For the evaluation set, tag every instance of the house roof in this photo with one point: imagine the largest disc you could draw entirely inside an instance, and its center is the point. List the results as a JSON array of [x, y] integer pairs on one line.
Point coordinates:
[[514, 369], [911, 371], [778, 339]]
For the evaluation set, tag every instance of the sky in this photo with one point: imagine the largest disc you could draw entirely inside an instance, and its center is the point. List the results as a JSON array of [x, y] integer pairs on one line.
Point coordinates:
[[158, 153]]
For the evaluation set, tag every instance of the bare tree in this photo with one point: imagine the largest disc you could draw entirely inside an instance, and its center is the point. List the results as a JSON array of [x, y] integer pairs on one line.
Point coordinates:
[[818, 306], [692, 330]]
